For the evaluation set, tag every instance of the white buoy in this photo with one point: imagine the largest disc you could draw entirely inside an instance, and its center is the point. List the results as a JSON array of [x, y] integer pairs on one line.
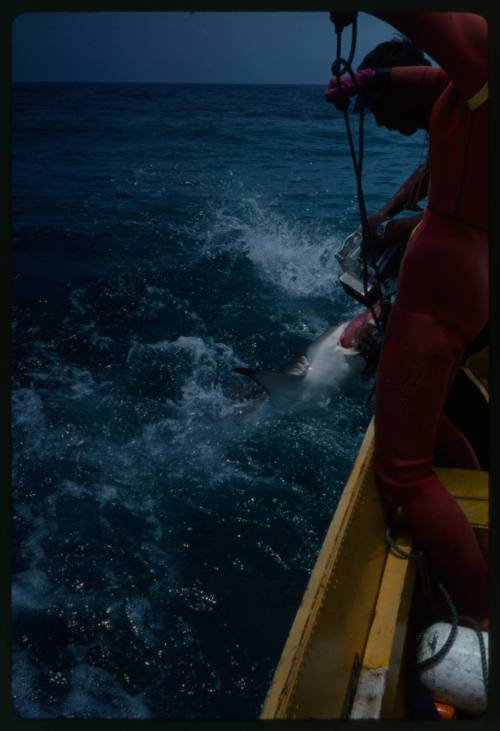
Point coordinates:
[[457, 679]]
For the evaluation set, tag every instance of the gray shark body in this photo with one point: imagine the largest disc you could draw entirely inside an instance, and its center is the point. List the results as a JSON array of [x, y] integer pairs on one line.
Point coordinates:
[[324, 368]]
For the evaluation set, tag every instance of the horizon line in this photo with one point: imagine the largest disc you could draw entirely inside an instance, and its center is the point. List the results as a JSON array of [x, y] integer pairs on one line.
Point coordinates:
[[169, 83]]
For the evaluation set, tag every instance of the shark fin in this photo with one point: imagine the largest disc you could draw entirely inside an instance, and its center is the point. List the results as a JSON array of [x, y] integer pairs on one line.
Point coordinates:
[[280, 386]]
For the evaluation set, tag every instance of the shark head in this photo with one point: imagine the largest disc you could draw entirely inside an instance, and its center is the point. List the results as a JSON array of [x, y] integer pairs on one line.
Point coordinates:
[[324, 368]]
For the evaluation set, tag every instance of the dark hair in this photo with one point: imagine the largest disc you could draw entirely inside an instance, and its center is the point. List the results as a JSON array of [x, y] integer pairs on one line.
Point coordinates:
[[399, 51]]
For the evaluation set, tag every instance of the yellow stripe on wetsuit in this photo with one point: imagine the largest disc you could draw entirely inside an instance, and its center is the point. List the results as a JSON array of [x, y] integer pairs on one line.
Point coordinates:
[[475, 101], [415, 228]]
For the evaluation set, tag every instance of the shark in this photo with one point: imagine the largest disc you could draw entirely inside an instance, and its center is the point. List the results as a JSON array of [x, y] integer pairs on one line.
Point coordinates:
[[327, 365]]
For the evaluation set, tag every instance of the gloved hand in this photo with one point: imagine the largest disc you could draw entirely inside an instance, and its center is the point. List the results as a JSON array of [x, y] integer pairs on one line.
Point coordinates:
[[339, 94], [342, 20]]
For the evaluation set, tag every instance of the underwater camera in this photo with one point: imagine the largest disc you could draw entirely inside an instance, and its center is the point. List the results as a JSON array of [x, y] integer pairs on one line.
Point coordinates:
[[382, 259]]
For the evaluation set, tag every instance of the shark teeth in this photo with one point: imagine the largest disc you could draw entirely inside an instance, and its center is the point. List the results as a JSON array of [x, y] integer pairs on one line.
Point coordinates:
[[299, 367]]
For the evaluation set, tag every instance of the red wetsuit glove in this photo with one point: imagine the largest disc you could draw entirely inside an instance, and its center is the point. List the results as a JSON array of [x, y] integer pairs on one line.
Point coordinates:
[[338, 92], [359, 328]]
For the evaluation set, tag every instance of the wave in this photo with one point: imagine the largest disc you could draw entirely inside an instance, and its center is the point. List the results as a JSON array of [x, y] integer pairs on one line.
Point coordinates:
[[298, 259]]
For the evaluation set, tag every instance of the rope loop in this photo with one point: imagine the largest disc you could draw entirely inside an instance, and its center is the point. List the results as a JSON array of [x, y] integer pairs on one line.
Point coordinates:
[[400, 551], [340, 66]]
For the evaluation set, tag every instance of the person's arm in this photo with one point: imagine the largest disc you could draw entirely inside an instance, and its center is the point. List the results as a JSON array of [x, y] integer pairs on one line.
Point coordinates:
[[399, 230], [458, 42], [394, 231], [416, 85], [413, 86], [398, 202]]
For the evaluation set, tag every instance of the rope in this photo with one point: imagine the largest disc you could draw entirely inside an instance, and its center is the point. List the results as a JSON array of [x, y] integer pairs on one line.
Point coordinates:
[[482, 647], [339, 67], [435, 659], [400, 551]]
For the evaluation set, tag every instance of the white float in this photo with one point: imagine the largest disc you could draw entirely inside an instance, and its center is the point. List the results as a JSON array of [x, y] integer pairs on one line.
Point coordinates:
[[457, 679]]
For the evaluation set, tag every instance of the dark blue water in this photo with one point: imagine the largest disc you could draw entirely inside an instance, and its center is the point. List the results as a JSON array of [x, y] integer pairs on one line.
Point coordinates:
[[163, 532]]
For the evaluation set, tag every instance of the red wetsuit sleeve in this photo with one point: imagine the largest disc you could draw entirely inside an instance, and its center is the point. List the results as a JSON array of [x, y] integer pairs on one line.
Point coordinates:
[[458, 42], [425, 83]]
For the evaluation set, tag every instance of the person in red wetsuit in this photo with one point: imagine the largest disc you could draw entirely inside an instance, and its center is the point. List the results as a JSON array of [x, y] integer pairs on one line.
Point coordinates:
[[442, 300]]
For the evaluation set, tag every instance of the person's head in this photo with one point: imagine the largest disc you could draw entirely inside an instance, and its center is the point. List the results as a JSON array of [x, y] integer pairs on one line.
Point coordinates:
[[387, 111]]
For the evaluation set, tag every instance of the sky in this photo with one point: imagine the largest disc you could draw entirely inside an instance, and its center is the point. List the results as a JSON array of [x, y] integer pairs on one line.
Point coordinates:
[[201, 47]]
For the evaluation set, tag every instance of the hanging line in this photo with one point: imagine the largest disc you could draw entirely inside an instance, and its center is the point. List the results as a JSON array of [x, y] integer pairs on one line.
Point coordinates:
[[340, 66]]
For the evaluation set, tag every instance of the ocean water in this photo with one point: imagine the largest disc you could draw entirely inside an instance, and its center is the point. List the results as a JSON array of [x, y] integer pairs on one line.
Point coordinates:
[[165, 521]]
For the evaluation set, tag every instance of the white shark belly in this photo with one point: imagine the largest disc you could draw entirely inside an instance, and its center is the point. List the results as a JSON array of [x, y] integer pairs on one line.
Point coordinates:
[[331, 366], [325, 367]]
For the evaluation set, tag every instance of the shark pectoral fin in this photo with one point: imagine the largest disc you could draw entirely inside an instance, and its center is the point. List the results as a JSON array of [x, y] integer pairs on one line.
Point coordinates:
[[279, 386]]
